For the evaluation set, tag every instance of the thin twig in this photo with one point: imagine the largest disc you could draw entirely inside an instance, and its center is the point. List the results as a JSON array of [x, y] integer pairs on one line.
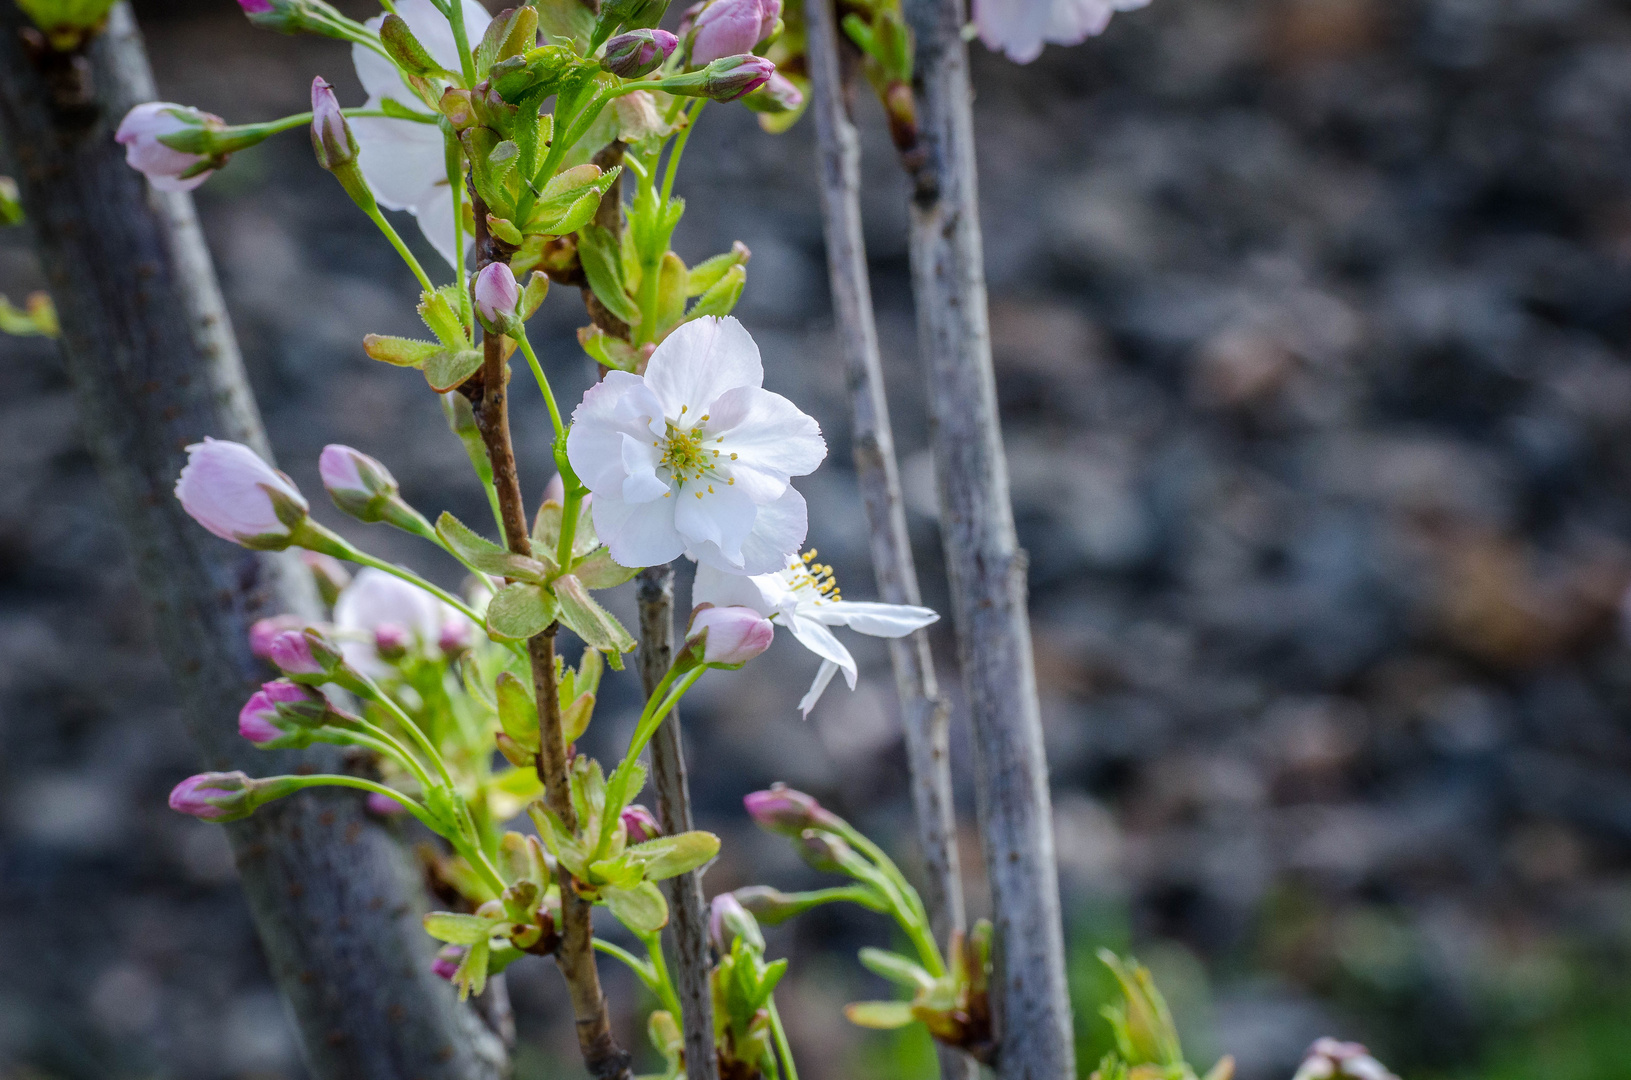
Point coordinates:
[[984, 563], [575, 956], [923, 712], [688, 920]]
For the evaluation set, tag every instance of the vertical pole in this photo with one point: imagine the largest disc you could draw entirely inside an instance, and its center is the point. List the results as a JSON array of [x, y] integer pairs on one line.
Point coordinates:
[[154, 366], [984, 562]]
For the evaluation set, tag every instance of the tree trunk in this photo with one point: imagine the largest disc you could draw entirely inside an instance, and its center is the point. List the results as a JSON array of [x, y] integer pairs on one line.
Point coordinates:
[[154, 367], [923, 712], [984, 563]]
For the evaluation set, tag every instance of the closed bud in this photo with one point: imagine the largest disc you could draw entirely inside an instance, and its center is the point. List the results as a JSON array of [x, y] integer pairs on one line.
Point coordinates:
[[405, 49], [638, 52], [496, 294], [291, 652], [457, 637], [229, 490], [296, 17], [628, 15], [729, 920], [783, 810], [731, 27], [769, 905], [384, 805], [725, 79], [216, 796], [264, 631], [150, 133], [824, 851], [359, 485], [448, 959], [727, 636], [391, 640], [280, 712], [331, 136], [1329, 1059], [640, 824]]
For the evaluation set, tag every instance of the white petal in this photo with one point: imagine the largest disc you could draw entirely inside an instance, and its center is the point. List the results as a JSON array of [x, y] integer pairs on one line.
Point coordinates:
[[637, 534], [378, 75], [818, 687], [764, 593], [778, 532], [1072, 21], [1014, 27], [821, 641], [766, 439], [611, 409], [714, 517], [873, 619], [435, 217], [640, 463], [404, 161], [698, 362], [435, 33]]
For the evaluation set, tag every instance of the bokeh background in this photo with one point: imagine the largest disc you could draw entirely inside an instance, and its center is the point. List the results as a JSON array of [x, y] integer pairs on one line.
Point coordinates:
[[1310, 323]]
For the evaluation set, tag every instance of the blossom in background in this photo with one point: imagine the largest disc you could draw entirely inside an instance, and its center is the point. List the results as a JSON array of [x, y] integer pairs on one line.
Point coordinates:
[[1329, 1059], [694, 457], [228, 489], [804, 598], [166, 168], [1019, 28], [404, 161], [375, 602]]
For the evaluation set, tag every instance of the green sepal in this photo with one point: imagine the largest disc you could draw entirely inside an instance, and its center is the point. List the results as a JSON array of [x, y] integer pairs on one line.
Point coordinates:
[[521, 611], [510, 34], [606, 350], [439, 316], [601, 257], [896, 968], [456, 929], [672, 279], [722, 296], [517, 712], [670, 856], [504, 230], [566, 21], [576, 716], [705, 274], [400, 352], [598, 628], [641, 909], [471, 976], [448, 369], [406, 50], [393, 108]]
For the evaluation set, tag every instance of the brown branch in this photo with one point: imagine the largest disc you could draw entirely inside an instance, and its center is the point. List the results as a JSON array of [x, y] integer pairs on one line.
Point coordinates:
[[984, 563], [575, 956], [688, 919]]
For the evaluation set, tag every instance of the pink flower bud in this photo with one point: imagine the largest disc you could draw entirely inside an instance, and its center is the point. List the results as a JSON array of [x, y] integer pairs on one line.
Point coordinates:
[[1329, 1059], [278, 707], [359, 485], [384, 806], [448, 959], [141, 133], [729, 920], [264, 630], [392, 640], [497, 294], [729, 28], [457, 637], [230, 491], [291, 651], [638, 52], [255, 7], [788, 812], [331, 136], [730, 78], [213, 796], [778, 95], [730, 636], [824, 851], [641, 824]]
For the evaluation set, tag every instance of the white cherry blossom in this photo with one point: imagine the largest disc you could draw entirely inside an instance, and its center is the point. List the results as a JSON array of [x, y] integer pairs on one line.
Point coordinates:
[[375, 599], [694, 456], [804, 598], [1020, 28], [404, 161]]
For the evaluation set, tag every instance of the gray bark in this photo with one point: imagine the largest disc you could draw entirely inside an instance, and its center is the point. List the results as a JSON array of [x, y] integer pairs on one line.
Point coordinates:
[[154, 367], [984, 562], [923, 711], [688, 911]]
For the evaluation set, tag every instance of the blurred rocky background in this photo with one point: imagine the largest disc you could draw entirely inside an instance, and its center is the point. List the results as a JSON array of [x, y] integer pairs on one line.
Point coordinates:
[[1310, 323]]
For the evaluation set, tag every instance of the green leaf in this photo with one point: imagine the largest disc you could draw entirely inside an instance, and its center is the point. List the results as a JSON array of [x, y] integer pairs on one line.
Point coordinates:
[[597, 570], [471, 976], [606, 350], [533, 295], [400, 352], [641, 909], [880, 1015], [520, 611], [597, 627], [721, 297], [517, 712], [438, 315], [601, 257], [510, 34], [566, 21], [458, 929], [448, 369], [482, 554], [575, 717], [669, 856], [896, 968], [705, 274], [671, 292]]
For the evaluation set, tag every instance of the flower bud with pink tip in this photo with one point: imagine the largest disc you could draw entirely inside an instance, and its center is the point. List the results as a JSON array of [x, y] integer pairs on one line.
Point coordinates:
[[497, 295], [264, 631], [729, 920], [731, 27], [787, 812], [457, 637], [229, 490], [217, 796], [281, 710], [363, 487], [331, 137], [1330, 1059], [641, 824], [727, 637], [148, 131], [638, 52], [392, 640]]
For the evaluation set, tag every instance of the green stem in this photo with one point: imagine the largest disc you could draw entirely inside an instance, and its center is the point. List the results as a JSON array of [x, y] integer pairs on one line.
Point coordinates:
[[415, 732], [378, 219], [665, 984], [569, 520], [520, 335], [341, 780], [455, 180], [864, 844], [679, 149], [641, 969], [783, 1049], [564, 141], [461, 39]]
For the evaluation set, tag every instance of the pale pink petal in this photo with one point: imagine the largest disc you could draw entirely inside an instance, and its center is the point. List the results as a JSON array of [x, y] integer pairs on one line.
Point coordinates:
[[641, 483], [766, 439], [819, 640], [638, 534], [618, 405], [778, 532], [767, 594], [700, 361], [404, 161], [715, 516]]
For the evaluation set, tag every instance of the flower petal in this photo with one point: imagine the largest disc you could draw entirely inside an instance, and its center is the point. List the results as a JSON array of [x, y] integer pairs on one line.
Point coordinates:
[[402, 160], [818, 687], [1014, 27], [766, 439], [618, 405], [700, 361], [714, 517], [767, 594], [778, 532], [637, 534], [819, 640], [873, 619], [640, 463]]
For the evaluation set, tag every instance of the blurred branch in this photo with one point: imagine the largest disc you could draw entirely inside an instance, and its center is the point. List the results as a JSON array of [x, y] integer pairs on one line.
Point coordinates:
[[154, 367], [986, 567], [923, 712]]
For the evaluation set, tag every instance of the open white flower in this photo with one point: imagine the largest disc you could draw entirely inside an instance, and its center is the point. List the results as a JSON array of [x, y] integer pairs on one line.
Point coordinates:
[[377, 605], [1019, 28], [694, 457], [804, 598], [404, 161]]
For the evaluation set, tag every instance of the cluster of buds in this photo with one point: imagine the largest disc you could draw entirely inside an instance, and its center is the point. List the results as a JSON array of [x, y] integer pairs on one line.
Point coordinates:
[[1329, 1059], [286, 713], [743, 983]]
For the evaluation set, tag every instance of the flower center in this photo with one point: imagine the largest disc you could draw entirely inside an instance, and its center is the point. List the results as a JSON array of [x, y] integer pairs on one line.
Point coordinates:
[[805, 575], [684, 454]]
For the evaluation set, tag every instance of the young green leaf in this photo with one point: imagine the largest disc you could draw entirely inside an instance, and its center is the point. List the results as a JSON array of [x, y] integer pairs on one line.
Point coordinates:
[[521, 611], [448, 369], [597, 627], [458, 929], [896, 968], [600, 255], [669, 856], [597, 570], [880, 1015], [641, 909], [399, 352], [721, 297], [517, 712], [438, 316]]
